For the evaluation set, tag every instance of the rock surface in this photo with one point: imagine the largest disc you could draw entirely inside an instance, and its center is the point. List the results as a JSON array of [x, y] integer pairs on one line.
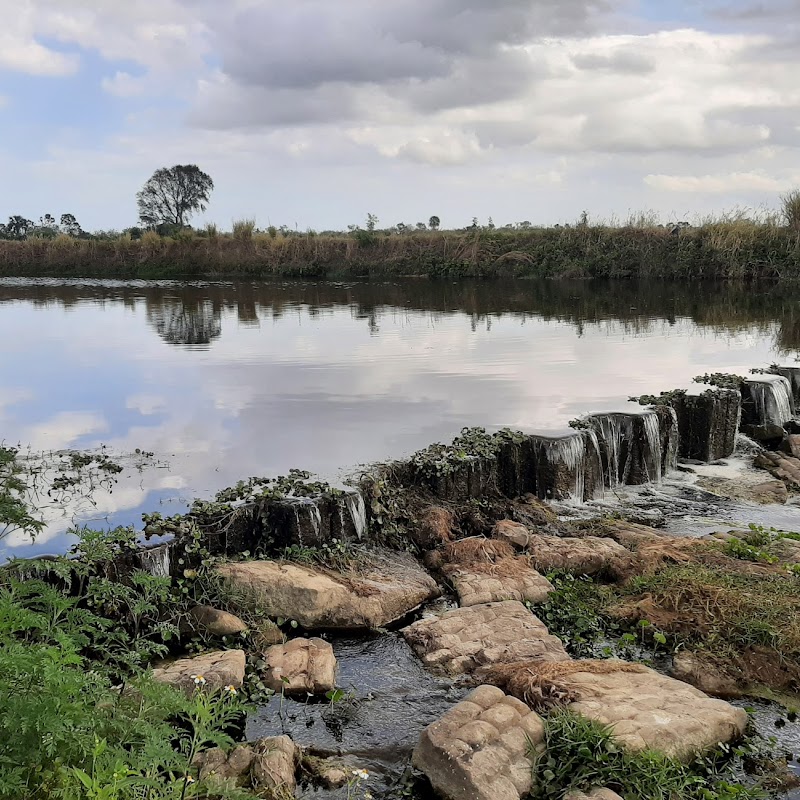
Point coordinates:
[[595, 794], [649, 710], [274, 763], [301, 666], [764, 493], [385, 590], [480, 749], [466, 639], [216, 622], [233, 768], [589, 555], [703, 675], [219, 669], [510, 579], [784, 468]]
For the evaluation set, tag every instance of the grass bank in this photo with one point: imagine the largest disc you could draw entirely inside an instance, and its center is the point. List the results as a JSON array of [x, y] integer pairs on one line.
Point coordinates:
[[739, 250]]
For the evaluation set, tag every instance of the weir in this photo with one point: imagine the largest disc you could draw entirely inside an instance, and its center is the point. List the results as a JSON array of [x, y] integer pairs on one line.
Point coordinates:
[[767, 400], [636, 448]]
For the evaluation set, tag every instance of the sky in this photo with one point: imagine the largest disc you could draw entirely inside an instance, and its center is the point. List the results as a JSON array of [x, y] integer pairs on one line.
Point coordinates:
[[313, 113]]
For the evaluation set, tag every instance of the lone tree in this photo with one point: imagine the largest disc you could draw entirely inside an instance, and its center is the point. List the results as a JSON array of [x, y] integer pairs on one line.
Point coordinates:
[[434, 223], [173, 194]]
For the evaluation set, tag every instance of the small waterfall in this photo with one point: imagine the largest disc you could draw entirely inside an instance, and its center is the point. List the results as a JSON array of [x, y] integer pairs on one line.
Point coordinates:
[[574, 455], [772, 395], [616, 433], [156, 561], [637, 448], [358, 512], [308, 520], [673, 442], [652, 455]]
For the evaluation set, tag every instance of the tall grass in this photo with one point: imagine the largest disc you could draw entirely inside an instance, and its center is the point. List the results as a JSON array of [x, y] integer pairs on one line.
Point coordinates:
[[737, 248], [791, 210], [243, 229]]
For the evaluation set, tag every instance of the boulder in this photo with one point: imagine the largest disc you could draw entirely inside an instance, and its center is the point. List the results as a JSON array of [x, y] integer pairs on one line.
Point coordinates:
[[589, 555], [215, 622], [509, 579], [215, 671], [793, 445], [386, 589], [595, 794], [481, 748], [232, 768], [647, 710], [328, 773], [514, 533], [764, 493], [301, 666], [274, 762], [465, 639], [779, 465], [704, 675]]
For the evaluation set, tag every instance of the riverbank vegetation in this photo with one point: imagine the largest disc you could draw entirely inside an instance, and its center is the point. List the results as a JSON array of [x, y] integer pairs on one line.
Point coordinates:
[[736, 247]]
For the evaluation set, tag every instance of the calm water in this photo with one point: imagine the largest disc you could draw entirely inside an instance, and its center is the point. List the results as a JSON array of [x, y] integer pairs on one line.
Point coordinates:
[[224, 381]]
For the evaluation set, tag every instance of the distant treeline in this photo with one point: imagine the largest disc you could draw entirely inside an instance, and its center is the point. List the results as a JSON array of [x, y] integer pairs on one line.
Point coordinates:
[[720, 250]]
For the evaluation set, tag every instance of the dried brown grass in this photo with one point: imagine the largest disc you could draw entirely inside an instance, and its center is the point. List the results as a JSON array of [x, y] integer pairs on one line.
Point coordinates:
[[477, 550], [542, 684]]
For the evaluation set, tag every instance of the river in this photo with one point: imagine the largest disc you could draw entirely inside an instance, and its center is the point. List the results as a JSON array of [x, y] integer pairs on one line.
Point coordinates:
[[222, 381]]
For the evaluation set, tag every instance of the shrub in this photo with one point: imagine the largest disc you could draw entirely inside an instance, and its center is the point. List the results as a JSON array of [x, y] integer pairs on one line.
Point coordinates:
[[791, 210], [243, 229]]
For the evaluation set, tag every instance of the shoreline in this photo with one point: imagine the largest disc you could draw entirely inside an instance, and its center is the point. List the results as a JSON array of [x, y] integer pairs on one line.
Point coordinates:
[[717, 251]]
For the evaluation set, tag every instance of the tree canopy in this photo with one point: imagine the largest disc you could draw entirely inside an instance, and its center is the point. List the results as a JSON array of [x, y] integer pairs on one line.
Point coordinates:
[[173, 194]]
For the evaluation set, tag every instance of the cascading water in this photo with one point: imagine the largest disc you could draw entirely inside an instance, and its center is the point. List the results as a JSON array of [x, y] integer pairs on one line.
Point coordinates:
[[615, 431], [358, 512], [772, 396], [574, 453], [652, 454], [673, 441], [637, 448], [156, 561]]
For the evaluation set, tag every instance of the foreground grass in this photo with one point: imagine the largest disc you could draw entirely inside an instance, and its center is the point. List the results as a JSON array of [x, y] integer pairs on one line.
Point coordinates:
[[582, 755], [722, 250]]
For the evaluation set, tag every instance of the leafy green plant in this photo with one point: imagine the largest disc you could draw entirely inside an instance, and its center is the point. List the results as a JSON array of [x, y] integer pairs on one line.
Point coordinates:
[[739, 548], [582, 754]]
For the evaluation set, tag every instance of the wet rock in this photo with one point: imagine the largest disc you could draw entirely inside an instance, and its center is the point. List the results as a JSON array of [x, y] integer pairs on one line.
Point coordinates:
[[769, 433], [219, 669], [704, 675], [435, 528], [387, 588], [784, 468], [233, 768], [301, 666], [466, 639], [649, 710], [216, 622], [481, 749], [630, 534], [589, 555], [764, 493], [793, 445], [274, 763], [325, 772], [708, 424]]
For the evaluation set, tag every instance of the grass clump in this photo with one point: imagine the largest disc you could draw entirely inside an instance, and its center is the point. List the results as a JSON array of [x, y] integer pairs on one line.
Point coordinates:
[[582, 755], [723, 609], [243, 229]]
